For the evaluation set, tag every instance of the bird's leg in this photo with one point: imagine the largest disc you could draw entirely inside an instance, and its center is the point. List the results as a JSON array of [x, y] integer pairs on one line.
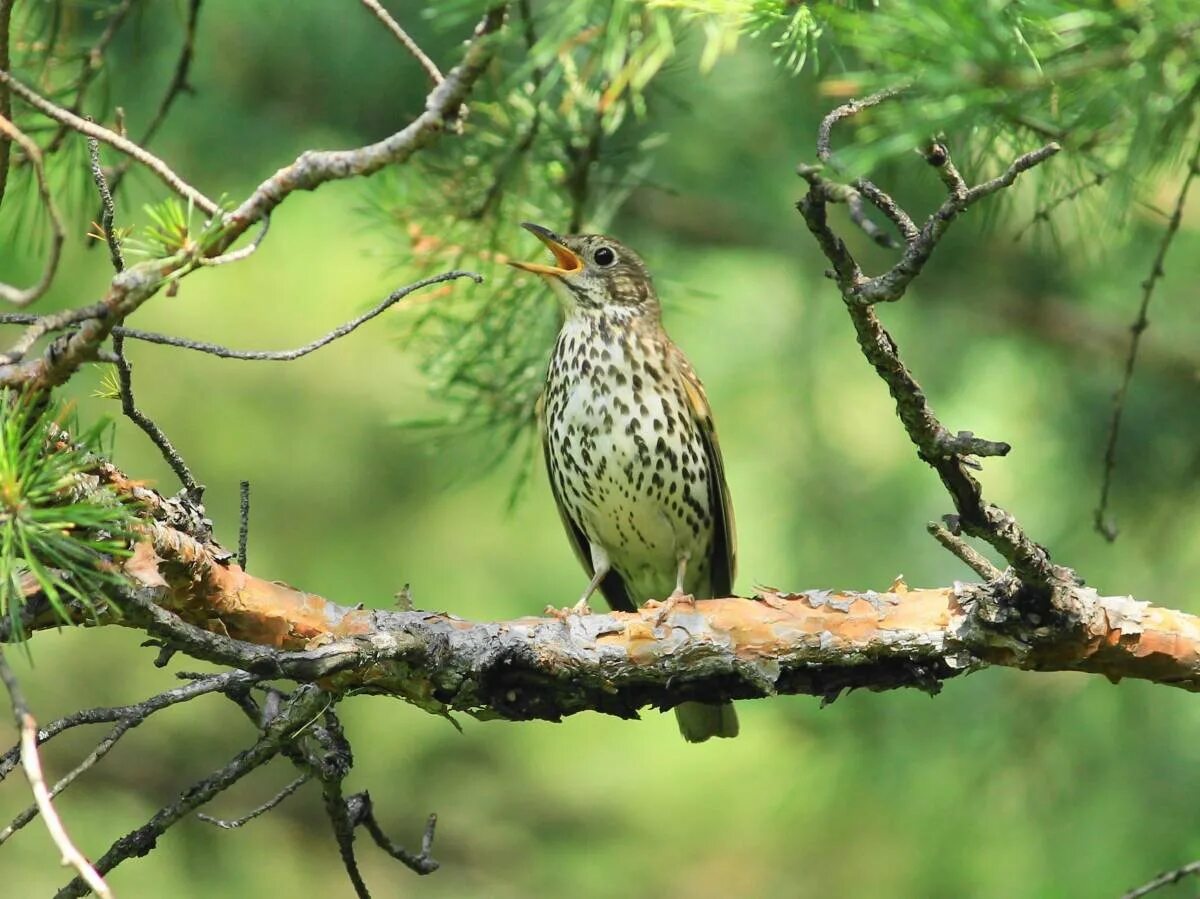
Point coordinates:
[[602, 566], [678, 597]]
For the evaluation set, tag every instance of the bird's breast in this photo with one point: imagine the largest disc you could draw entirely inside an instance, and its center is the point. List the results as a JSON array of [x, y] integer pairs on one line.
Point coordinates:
[[626, 456]]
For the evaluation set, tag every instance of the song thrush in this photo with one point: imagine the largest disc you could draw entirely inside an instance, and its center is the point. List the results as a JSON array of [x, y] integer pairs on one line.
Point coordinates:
[[630, 446]]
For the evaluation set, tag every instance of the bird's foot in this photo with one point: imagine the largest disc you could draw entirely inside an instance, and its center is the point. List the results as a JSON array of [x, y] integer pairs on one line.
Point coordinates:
[[667, 606], [580, 609]]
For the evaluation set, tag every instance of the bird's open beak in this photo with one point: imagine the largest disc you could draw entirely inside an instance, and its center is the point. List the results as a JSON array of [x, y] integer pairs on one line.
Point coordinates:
[[568, 262]]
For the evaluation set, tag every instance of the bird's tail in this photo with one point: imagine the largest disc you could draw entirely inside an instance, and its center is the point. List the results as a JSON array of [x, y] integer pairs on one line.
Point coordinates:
[[700, 720]]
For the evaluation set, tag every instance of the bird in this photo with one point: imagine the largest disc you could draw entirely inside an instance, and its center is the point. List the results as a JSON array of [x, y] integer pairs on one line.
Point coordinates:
[[630, 446]]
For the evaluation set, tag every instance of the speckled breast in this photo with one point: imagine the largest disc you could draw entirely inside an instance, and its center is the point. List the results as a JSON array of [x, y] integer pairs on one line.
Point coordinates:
[[626, 457]]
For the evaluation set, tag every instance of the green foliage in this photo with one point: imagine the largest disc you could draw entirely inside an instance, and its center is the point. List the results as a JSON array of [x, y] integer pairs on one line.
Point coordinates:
[[172, 230], [565, 133], [1112, 82], [50, 540]]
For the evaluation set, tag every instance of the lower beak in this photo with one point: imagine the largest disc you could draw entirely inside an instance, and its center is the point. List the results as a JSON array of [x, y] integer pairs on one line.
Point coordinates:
[[568, 262]]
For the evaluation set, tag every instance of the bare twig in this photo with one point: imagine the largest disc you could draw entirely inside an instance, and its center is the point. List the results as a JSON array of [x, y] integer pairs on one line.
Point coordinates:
[[234, 823], [362, 812], [107, 209], [1106, 527], [102, 749], [338, 812], [126, 146], [238, 255], [131, 288], [945, 452], [23, 297], [342, 330], [402, 36], [37, 783], [171, 455], [862, 186], [136, 713], [316, 167], [243, 522], [1164, 880], [302, 706], [967, 554]]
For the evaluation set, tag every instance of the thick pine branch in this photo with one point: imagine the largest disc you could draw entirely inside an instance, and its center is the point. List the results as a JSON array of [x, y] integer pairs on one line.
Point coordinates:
[[190, 594]]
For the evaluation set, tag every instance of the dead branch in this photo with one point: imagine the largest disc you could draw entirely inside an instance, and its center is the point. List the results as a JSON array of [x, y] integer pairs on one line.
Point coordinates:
[[945, 452], [298, 712]]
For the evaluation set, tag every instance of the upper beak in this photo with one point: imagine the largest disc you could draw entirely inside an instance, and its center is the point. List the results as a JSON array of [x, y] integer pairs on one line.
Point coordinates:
[[568, 261]]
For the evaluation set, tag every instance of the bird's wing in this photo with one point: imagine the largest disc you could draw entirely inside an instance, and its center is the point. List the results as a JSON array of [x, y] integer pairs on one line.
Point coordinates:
[[613, 586], [723, 556]]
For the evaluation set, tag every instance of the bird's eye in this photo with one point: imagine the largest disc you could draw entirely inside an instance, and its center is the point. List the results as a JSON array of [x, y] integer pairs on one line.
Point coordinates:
[[604, 256]]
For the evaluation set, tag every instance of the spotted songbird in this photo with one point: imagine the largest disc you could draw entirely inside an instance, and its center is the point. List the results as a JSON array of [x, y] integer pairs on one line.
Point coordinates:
[[630, 446]]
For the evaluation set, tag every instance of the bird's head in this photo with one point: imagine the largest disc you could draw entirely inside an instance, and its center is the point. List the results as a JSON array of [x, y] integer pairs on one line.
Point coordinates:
[[593, 272]]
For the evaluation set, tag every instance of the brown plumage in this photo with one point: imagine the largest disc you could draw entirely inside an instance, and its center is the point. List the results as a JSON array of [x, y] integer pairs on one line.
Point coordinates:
[[630, 446]]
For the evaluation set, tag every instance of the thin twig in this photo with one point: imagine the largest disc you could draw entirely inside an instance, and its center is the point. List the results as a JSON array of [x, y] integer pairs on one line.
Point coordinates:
[[337, 809], [948, 454], [243, 522], [1164, 880], [238, 255], [31, 763], [1106, 527], [443, 108], [166, 449], [342, 330], [102, 749], [1044, 212], [303, 705], [136, 713], [107, 208], [234, 823], [410, 45], [845, 111], [421, 862], [171, 455], [126, 146], [23, 297], [967, 554]]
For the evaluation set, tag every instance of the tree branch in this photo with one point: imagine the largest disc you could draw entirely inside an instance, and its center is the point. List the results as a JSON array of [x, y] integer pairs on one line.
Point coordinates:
[[302, 707], [946, 453], [190, 594], [316, 167]]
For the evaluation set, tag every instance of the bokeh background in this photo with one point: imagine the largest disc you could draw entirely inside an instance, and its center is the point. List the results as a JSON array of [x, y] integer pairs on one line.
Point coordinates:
[[1005, 784]]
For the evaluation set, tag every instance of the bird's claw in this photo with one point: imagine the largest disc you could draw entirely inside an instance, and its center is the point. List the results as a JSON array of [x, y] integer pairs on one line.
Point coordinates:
[[580, 609], [666, 607]]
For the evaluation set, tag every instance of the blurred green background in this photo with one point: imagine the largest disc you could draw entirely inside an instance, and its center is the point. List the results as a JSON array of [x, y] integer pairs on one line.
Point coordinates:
[[1006, 784]]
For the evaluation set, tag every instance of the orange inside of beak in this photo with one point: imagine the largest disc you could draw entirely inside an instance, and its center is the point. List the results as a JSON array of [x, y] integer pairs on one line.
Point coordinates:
[[568, 262]]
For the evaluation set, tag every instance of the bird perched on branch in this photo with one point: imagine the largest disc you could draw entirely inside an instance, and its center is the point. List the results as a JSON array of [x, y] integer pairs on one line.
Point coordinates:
[[631, 448]]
